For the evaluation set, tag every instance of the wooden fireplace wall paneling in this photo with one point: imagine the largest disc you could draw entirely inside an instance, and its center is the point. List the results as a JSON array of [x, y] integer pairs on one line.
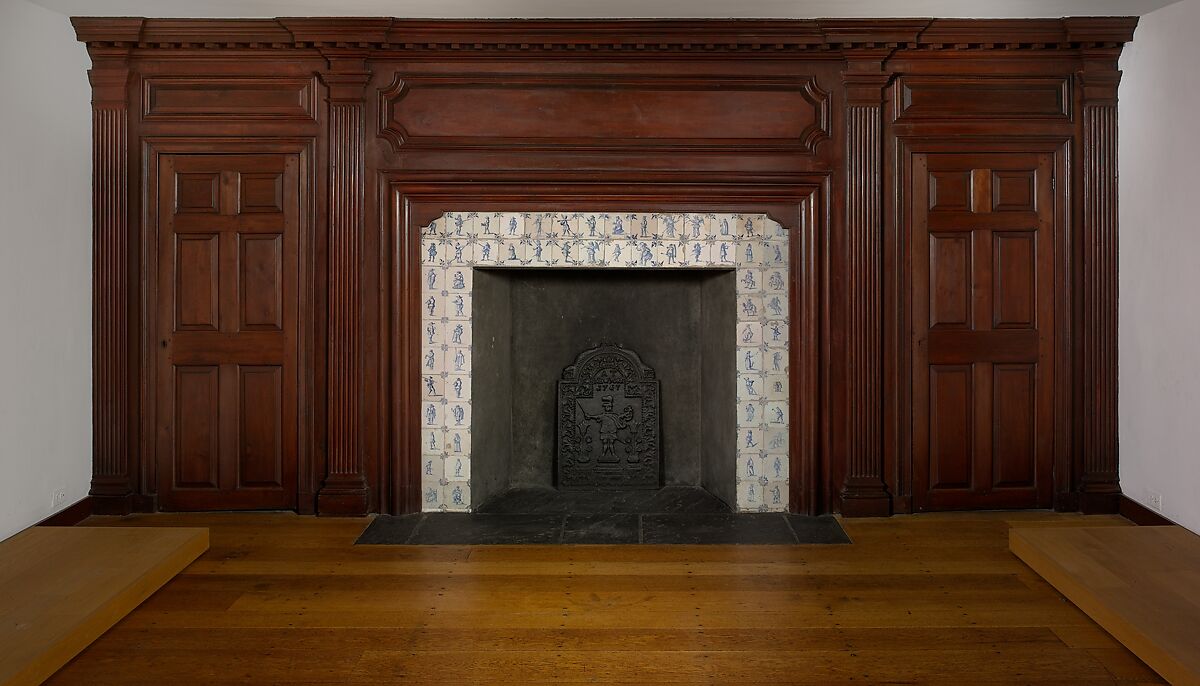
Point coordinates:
[[397, 122]]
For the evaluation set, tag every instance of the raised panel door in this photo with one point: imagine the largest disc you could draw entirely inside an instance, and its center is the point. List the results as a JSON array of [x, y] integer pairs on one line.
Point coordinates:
[[227, 245], [982, 324]]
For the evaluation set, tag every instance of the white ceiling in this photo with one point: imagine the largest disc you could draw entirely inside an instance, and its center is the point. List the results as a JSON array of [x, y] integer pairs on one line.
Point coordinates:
[[634, 9]]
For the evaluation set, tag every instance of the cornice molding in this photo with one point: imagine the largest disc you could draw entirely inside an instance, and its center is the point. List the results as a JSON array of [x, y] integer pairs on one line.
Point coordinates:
[[533, 36]]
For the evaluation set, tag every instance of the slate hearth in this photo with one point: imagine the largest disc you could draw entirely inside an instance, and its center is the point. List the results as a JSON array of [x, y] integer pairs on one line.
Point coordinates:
[[673, 515]]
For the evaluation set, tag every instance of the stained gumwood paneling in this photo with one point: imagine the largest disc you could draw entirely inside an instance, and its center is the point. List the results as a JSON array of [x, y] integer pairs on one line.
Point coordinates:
[[197, 193], [260, 425], [946, 97], [197, 260], [1014, 191], [950, 426], [176, 98], [260, 193], [261, 281], [950, 281], [585, 110], [197, 426], [949, 191], [1014, 425], [1014, 274]]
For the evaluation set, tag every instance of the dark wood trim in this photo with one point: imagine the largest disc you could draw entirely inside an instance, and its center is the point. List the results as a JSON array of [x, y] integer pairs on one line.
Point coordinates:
[[344, 490], [534, 38], [114, 409], [1099, 485], [71, 515], [1140, 514], [863, 492]]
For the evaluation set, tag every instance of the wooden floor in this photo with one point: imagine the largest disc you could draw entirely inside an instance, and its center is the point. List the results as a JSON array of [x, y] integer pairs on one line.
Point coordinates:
[[1142, 584], [283, 599], [61, 588]]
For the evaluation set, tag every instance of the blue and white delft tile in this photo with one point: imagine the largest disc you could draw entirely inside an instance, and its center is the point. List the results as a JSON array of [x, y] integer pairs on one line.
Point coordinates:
[[775, 333], [433, 360], [457, 387], [776, 414], [457, 496], [750, 386], [775, 440], [750, 307], [433, 442], [458, 443], [775, 496], [432, 469], [431, 497], [456, 361], [457, 306], [775, 387], [458, 416], [457, 468], [775, 466], [750, 360], [749, 466], [775, 360], [749, 334]]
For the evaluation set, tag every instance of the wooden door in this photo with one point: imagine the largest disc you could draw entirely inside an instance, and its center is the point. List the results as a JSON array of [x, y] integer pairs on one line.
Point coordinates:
[[983, 327], [227, 321]]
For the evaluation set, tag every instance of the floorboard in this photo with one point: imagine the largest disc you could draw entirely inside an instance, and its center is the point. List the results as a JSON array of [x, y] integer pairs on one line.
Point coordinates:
[[62, 587], [1142, 584], [915, 599]]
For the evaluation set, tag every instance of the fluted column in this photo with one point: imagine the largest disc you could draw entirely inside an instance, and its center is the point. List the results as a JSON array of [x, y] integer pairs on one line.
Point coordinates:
[[1099, 483], [864, 492], [114, 459], [344, 490]]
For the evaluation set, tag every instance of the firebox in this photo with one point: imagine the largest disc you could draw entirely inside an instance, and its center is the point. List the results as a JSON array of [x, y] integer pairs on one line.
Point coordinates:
[[520, 307]]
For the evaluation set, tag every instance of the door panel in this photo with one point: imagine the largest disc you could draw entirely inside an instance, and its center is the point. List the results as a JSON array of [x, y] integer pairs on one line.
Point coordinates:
[[228, 232], [983, 306]]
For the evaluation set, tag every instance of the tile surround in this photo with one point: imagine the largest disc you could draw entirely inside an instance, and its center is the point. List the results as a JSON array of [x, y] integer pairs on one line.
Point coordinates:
[[753, 245]]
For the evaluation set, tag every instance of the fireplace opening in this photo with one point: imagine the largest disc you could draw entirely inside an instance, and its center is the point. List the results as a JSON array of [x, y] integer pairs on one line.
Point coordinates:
[[532, 324]]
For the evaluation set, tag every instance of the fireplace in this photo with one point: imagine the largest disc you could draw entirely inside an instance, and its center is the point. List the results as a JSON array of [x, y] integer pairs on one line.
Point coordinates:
[[510, 299]]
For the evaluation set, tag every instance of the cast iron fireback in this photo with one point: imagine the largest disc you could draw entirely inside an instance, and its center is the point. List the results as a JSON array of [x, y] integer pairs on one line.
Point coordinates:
[[608, 422]]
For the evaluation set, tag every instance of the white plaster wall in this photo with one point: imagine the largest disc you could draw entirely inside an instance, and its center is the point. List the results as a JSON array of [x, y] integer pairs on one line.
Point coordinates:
[[45, 265], [1160, 278]]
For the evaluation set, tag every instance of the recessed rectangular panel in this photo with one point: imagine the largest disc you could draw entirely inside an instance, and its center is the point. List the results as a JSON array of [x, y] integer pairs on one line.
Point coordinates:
[[176, 98], [197, 260], [261, 193], [260, 282], [260, 430], [950, 281], [964, 97], [590, 110], [1014, 417], [1014, 191], [950, 426], [1014, 272], [949, 191], [197, 427], [197, 193]]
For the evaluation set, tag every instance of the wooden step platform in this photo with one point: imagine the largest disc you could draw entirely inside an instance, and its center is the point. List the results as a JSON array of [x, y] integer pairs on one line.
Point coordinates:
[[62, 587], [1141, 583]]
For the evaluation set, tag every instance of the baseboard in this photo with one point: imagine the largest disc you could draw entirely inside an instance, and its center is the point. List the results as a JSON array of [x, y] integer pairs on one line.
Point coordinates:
[[1099, 503], [70, 516], [1140, 514]]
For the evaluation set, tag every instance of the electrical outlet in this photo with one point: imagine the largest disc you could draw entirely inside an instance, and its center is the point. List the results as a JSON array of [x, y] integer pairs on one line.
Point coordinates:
[[1156, 502], [58, 497]]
